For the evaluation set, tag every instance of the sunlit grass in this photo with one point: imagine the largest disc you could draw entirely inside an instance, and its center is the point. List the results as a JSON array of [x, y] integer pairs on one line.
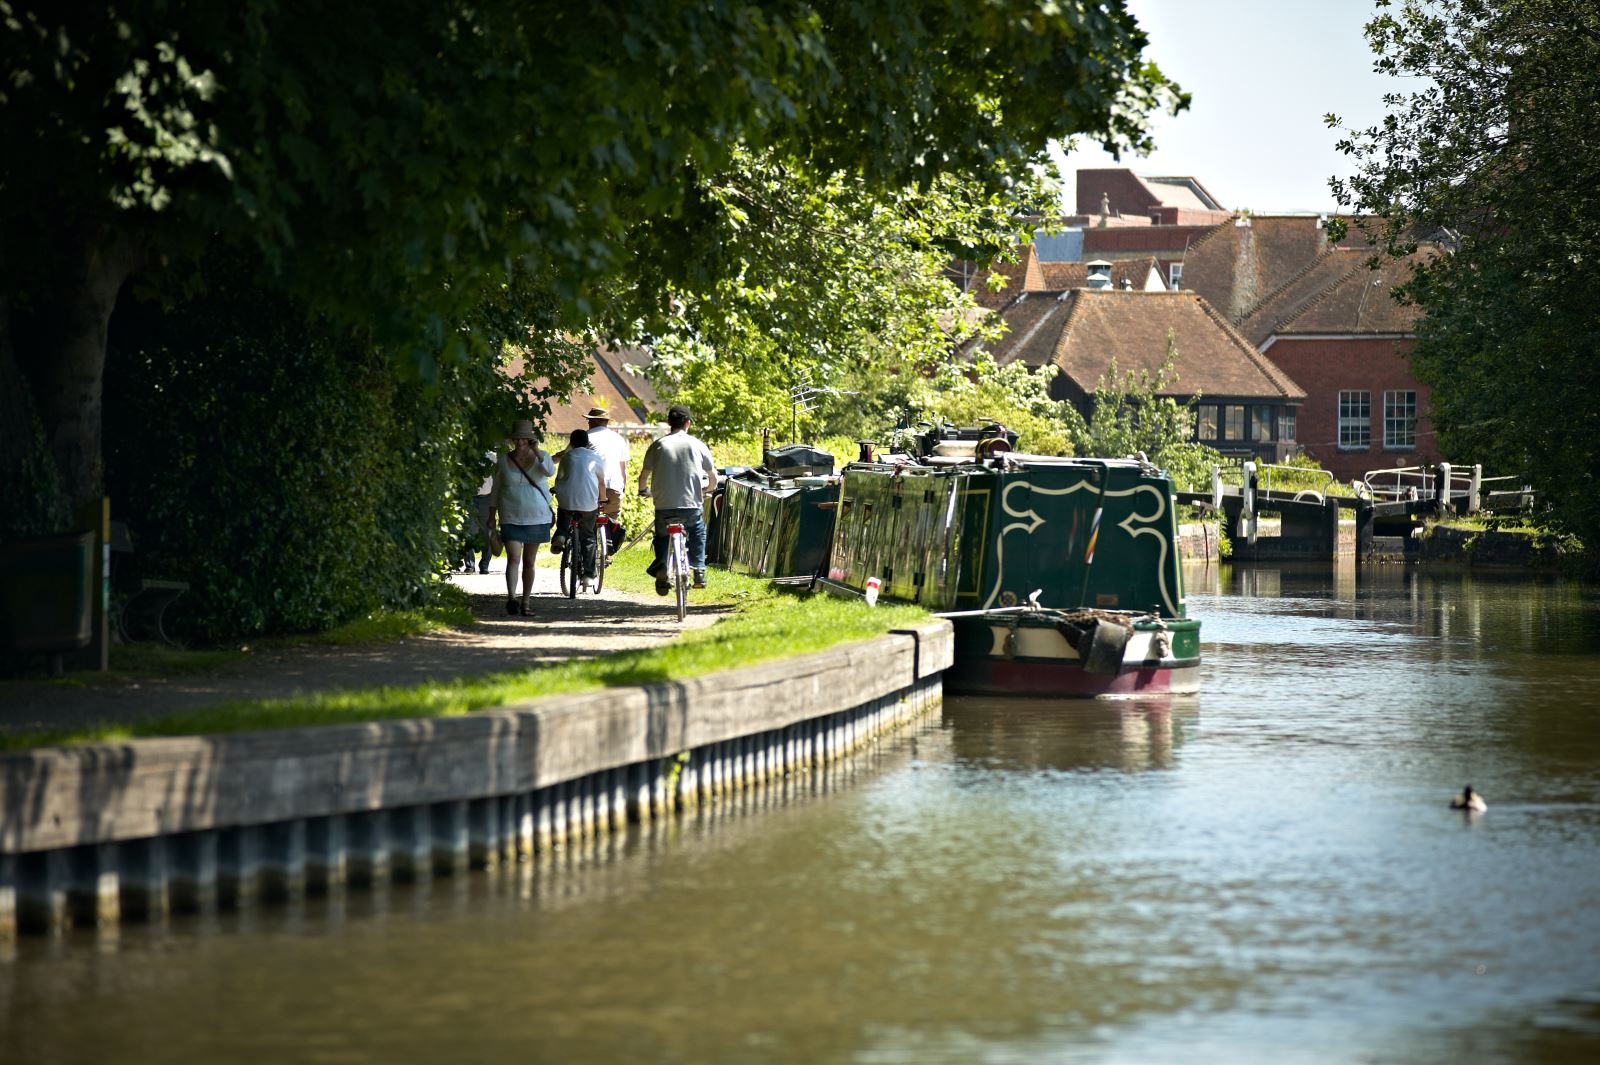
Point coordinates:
[[762, 623]]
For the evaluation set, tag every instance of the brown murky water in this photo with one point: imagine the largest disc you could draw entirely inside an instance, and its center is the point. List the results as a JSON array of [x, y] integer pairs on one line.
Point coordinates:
[[1265, 873]]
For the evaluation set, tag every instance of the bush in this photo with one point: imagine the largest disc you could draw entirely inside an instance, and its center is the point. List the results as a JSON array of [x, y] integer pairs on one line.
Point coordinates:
[[282, 470]]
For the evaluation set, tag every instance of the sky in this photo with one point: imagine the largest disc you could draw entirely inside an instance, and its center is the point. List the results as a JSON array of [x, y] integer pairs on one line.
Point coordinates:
[[1262, 74]]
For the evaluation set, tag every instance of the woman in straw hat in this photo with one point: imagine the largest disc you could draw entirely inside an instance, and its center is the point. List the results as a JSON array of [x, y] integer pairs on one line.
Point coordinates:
[[521, 498]]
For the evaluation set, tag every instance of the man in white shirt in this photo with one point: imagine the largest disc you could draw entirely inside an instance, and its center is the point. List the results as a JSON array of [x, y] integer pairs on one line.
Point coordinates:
[[613, 448], [678, 470]]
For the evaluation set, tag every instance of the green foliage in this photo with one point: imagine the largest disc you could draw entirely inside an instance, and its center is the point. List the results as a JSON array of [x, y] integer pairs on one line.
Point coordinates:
[[828, 282], [1494, 154], [279, 467], [391, 159], [1129, 414], [36, 505], [1015, 396]]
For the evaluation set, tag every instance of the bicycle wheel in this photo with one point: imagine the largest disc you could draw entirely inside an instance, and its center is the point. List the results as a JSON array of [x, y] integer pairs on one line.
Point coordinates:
[[680, 575], [601, 545], [569, 564]]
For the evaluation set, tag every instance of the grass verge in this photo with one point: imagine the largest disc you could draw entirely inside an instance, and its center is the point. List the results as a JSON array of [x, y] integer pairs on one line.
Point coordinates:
[[763, 623]]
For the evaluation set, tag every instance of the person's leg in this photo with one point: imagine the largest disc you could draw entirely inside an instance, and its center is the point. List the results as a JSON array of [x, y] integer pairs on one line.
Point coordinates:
[[513, 567], [530, 554], [695, 528], [658, 543], [586, 526], [481, 509]]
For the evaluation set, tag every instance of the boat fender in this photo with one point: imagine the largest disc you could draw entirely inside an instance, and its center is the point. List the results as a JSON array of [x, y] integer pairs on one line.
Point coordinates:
[[1161, 644], [1008, 646], [1107, 643], [1073, 634]]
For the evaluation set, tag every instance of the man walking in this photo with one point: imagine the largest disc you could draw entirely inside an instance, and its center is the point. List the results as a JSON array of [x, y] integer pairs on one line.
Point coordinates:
[[613, 449], [679, 472]]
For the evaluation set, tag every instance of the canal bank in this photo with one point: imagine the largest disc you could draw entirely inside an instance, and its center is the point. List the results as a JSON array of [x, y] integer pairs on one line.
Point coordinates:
[[96, 833]]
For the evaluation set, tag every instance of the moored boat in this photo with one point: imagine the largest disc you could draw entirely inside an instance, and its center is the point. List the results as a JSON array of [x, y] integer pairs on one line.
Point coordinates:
[[1060, 575]]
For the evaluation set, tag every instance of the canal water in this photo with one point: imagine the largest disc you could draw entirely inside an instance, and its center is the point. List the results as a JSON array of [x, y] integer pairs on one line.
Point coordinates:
[[1266, 873]]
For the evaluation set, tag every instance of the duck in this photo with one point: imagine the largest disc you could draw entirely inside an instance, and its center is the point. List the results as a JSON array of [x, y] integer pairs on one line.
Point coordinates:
[[1469, 800]]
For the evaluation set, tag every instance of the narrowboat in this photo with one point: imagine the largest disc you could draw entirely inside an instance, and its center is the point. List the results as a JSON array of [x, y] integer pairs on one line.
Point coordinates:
[[1060, 575], [776, 520]]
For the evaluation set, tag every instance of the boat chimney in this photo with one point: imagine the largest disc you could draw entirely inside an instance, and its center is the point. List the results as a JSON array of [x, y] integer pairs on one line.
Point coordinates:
[[1099, 274]]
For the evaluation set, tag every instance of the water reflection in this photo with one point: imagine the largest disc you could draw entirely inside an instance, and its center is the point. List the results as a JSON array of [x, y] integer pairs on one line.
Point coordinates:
[[1000, 734]]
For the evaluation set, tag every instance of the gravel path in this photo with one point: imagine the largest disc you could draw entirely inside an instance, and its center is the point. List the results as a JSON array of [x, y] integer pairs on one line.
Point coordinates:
[[559, 629]]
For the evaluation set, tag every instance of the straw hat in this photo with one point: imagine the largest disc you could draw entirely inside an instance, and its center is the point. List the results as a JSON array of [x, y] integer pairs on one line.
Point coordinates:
[[598, 414], [523, 430]]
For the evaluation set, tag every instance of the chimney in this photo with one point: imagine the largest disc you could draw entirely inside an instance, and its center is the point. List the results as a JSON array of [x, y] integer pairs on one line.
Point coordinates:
[[1099, 274]]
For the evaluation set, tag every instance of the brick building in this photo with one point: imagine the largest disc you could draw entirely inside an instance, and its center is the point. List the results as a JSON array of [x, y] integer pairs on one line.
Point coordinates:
[[1328, 320]]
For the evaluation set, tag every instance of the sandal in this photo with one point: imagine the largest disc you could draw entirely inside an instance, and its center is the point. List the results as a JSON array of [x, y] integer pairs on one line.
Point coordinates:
[[511, 607]]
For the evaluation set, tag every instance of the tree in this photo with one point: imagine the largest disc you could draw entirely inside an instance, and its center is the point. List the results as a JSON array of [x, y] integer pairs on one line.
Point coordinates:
[[393, 162], [1496, 155], [825, 281]]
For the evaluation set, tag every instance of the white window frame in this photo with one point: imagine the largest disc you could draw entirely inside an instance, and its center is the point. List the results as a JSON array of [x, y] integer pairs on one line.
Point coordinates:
[[1352, 424], [1400, 432], [1174, 276]]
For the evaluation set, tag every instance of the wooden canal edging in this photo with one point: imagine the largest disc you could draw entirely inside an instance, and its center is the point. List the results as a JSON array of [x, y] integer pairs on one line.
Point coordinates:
[[98, 833]]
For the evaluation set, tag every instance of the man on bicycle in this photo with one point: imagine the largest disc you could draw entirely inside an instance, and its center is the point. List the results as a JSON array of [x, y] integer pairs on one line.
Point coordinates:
[[679, 472], [580, 488], [614, 450]]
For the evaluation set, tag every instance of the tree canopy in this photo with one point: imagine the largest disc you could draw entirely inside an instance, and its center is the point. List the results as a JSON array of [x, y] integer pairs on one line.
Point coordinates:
[[1496, 154], [395, 164]]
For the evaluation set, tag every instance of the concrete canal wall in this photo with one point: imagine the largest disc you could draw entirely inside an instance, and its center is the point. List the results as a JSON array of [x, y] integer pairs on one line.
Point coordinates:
[[99, 833]]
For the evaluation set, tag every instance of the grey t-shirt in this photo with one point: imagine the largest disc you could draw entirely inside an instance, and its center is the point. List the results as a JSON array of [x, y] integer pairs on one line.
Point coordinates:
[[679, 467]]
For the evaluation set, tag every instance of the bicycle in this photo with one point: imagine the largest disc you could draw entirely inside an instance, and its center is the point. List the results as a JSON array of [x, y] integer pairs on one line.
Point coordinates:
[[571, 580], [678, 566]]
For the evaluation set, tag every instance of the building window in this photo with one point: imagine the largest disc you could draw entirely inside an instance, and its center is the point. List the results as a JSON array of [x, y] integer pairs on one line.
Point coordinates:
[[1261, 423], [1355, 420], [1205, 422], [1399, 419], [1232, 423], [1174, 276], [1286, 426]]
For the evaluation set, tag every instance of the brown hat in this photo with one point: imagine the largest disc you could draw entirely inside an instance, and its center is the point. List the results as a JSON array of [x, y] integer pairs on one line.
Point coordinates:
[[523, 430], [598, 414]]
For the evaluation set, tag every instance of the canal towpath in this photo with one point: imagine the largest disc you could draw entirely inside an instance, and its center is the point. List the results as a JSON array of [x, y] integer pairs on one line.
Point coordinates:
[[561, 629]]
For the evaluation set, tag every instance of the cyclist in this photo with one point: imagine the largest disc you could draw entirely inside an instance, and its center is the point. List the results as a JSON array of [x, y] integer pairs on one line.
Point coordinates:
[[614, 449], [679, 472], [580, 488]]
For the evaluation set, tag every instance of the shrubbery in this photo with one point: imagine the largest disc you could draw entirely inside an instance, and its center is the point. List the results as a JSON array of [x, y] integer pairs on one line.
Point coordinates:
[[279, 469]]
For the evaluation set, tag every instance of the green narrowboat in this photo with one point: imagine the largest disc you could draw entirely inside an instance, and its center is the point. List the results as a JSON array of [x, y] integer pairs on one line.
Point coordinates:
[[776, 520], [1061, 575]]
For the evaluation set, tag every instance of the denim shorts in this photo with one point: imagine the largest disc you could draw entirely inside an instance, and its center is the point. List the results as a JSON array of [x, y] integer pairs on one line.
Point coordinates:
[[526, 534]]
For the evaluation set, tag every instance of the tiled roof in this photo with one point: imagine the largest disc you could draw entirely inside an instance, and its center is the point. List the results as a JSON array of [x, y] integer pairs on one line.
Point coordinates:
[[1133, 327], [1033, 323], [1019, 276], [1058, 276], [1240, 263], [617, 383], [1328, 269], [1360, 301]]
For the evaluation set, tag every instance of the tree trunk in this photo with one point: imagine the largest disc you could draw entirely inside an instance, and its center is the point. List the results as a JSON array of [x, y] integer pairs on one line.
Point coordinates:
[[59, 343]]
